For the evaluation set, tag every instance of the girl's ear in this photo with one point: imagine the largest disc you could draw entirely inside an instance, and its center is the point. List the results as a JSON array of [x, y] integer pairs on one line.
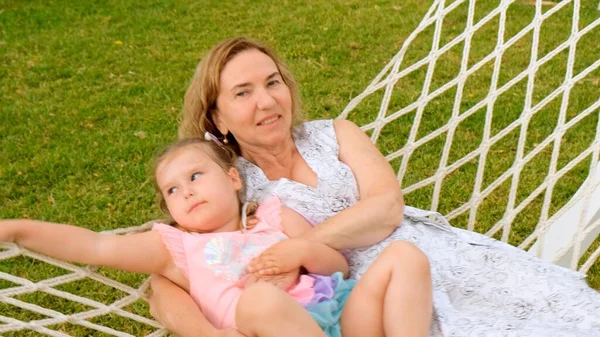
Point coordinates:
[[235, 178]]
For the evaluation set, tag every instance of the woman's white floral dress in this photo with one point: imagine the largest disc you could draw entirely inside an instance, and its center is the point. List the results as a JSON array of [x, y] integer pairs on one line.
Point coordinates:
[[482, 287]]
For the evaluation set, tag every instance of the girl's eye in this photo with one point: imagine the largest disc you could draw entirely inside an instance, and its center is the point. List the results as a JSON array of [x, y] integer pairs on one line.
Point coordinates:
[[273, 82], [171, 190], [196, 176], [241, 93]]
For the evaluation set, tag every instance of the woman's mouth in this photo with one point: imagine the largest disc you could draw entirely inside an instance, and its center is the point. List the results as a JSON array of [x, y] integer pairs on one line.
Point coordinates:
[[269, 121]]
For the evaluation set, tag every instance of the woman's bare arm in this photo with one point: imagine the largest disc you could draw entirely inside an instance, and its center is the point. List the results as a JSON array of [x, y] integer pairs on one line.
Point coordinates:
[[177, 311], [381, 204]]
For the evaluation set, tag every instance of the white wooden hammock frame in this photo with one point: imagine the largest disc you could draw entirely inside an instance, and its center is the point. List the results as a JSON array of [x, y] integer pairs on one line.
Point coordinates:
[[562, 237]]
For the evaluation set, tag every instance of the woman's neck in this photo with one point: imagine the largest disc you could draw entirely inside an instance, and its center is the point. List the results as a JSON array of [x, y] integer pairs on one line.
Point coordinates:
[[278, 158]]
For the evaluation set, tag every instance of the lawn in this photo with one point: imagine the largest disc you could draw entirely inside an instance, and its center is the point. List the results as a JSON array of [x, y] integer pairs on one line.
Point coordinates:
[[91, 92]]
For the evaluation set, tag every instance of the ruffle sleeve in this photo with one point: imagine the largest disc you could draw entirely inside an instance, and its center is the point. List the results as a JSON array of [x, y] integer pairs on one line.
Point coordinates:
[[173, 240], [269, 212]]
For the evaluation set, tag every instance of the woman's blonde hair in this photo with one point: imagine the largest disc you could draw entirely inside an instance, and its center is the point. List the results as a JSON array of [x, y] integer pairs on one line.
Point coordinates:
[[201, 96], [223, 156]]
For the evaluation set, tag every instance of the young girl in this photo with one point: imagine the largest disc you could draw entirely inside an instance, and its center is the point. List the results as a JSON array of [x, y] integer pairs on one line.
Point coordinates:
[[208, 250]]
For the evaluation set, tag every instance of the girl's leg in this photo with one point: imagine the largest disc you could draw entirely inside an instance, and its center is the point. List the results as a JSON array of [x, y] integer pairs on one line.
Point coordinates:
[[394, 296], [265, 310]]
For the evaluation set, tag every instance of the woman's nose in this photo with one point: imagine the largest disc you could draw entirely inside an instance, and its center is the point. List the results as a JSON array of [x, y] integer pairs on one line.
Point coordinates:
[[264, 99]]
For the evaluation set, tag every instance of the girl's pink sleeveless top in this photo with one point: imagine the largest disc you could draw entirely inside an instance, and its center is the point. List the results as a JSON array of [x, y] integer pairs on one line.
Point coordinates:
[[215, 263]]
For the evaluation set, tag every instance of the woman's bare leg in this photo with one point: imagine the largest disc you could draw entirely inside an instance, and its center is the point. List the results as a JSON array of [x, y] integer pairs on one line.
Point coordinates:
[[267, 311], [394, 296]]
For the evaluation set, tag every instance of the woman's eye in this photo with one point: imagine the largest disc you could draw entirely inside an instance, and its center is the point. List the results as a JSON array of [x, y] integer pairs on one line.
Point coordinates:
[[241, 93], [171, 190], [273, 82], [196, 176]]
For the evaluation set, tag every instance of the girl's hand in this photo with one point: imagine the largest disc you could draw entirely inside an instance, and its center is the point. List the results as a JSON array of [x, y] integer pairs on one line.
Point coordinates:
[[283, 281], [282, 257], [8, 230]]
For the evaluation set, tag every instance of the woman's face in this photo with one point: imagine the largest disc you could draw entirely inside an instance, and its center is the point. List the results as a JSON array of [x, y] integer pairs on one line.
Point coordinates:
[[254, 103]]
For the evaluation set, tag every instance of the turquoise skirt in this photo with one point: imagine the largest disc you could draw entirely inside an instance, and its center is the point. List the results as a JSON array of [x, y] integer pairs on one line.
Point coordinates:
[[327, 312]]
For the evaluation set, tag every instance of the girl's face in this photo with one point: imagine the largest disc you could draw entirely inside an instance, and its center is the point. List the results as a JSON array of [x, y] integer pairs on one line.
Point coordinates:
[[200, 196], [254, 104]]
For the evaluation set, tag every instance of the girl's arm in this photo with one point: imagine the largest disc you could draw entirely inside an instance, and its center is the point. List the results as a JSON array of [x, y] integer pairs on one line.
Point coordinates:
[[381, 206], [143, 252], [293, 253]]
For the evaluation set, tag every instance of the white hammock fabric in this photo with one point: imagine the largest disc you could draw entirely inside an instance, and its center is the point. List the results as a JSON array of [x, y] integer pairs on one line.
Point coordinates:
[[586, 198], [559, 236], [394, 73]]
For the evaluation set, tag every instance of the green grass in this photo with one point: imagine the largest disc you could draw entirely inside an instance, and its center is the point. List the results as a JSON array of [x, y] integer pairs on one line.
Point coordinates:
[[91, 91]]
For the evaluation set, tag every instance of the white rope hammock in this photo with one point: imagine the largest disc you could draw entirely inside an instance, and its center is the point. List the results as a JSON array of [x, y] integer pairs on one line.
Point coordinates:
[[587, 200], [562, 237]]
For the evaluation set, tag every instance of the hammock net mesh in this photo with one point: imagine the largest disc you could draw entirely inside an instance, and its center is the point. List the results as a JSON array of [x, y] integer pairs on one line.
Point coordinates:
[[500, 126]]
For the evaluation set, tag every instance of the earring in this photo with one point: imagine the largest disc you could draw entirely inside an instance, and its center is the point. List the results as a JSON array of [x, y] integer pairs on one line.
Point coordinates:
[[225, 140]]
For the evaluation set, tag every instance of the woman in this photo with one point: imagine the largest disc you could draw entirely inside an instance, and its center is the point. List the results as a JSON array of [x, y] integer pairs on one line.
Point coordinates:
[[329, 172]]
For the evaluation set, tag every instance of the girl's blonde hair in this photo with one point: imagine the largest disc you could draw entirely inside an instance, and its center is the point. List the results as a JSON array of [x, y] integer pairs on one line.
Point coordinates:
[[223, 156], [200, 101]]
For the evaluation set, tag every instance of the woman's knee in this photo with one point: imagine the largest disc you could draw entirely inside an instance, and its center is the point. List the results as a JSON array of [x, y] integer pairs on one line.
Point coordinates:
[[405, 254]]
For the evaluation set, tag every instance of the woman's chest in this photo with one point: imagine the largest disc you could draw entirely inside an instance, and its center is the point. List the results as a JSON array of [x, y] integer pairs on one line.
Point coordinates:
[[298, 171]]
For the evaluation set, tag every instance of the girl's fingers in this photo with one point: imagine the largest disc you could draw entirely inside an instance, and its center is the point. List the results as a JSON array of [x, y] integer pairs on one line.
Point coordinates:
[[261, 265], [250, 266], [267, 264], [270, 271], [257, 262]]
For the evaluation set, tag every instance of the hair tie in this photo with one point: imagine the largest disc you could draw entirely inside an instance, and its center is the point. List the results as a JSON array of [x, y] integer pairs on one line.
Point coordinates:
[[209, 136]]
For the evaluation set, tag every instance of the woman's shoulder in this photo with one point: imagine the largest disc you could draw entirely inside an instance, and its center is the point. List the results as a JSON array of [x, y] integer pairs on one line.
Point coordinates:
[[328, 127], [313, 132], [327, 124], [313, 125]]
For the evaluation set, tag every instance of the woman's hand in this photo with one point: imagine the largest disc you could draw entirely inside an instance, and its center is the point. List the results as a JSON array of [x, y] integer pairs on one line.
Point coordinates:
[[177, 311], [228, 333], [282, 257]]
